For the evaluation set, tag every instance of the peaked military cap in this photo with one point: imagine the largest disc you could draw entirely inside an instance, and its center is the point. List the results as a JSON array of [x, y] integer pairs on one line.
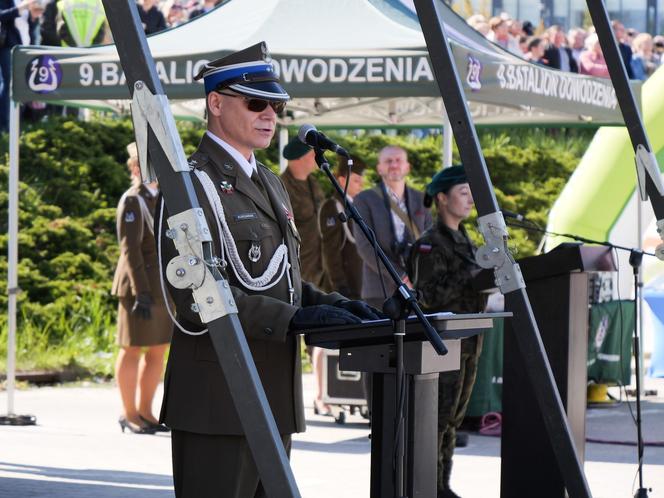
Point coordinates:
[[248, 72], [443, 181]]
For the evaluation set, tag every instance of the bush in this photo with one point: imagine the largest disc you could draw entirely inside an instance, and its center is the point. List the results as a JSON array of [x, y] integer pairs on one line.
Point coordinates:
[[73, 174]]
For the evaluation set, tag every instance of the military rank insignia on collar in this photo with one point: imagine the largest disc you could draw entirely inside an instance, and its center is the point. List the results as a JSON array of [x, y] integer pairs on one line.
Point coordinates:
[[226, 187]]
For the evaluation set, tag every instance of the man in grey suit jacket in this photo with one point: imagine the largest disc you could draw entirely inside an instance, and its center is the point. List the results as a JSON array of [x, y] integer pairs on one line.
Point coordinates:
[[397, 216]]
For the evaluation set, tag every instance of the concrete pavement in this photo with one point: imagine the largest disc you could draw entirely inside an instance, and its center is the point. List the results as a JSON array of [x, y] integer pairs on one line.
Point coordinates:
[[78, 451]]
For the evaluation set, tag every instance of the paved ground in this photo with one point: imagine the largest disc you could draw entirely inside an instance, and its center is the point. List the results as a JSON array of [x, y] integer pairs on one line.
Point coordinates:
[[78, 451]]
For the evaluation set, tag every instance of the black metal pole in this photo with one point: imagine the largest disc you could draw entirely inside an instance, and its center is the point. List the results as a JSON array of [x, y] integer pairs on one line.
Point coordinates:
[[226, 332], [492, 227], [401, 417], [626, 100], [635, 259]]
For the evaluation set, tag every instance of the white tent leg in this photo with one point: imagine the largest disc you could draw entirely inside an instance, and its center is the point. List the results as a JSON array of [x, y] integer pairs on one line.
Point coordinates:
[[12, 277], [283, 140], [639, 302], [447, 141]]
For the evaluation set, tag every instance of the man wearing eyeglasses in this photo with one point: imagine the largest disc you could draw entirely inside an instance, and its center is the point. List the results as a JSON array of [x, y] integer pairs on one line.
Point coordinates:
[[247, 207]]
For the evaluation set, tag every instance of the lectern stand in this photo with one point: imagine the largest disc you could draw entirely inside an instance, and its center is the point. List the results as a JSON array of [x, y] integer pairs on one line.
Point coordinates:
[[368, 348], [558, 290]]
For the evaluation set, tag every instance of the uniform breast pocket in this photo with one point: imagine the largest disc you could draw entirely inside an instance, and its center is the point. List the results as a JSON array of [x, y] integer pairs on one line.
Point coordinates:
[[255, 243]]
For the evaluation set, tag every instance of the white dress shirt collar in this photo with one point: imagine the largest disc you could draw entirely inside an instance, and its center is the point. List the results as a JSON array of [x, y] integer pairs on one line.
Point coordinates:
[[247, 166]]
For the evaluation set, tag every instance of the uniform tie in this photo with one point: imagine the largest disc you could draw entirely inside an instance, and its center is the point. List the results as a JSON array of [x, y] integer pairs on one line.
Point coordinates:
[[259, 183]]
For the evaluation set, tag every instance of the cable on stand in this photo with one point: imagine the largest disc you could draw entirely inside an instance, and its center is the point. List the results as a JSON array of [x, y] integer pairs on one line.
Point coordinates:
[[635, 261]]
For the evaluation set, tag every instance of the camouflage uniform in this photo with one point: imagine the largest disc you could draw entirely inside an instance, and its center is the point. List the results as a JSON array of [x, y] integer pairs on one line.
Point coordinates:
[[441, 266]]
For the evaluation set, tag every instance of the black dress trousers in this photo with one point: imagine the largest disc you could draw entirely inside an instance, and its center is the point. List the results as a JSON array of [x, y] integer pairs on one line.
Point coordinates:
[[211, 466]]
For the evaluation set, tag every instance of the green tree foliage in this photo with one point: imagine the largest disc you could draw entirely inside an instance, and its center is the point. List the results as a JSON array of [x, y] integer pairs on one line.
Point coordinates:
[[73, 174]]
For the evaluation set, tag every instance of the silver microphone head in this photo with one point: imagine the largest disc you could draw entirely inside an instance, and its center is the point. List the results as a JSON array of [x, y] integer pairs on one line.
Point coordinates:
[[304, 130]]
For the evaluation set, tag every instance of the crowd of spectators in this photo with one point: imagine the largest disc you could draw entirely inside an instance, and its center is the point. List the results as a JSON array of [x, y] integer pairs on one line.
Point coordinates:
[[576, 51], [42, 22], [74, 23]]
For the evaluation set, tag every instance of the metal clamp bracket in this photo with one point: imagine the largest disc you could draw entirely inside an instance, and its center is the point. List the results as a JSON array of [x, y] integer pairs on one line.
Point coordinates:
[[659, 250], [494, 254], [646, 164], [213, 298], [152, 110]]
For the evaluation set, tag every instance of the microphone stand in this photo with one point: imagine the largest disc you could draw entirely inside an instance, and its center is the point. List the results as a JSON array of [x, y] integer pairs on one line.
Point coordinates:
[[635, 260], [397, 308]]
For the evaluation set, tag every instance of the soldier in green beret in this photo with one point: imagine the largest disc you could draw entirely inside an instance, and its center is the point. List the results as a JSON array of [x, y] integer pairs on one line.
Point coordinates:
[[441, 267], [306, 197]]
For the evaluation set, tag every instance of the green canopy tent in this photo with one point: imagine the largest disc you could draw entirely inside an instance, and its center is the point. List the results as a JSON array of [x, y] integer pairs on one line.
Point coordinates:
[[364, 65]]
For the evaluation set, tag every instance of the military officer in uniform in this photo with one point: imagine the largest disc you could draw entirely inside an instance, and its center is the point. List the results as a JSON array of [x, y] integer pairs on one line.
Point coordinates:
[[306, 197], [144, 327], [441, 267], [341, 261], [247, 206]]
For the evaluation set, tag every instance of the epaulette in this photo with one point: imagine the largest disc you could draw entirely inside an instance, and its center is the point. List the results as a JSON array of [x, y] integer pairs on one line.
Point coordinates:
[[197, 160]]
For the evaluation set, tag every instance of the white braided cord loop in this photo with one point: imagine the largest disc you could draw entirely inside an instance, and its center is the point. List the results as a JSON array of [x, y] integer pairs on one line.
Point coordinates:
[[278, 263]]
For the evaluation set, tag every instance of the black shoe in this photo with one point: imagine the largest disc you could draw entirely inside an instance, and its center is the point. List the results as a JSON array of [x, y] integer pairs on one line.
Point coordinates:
[[153, 426], [447, 493], [461, 440], [135, 428]]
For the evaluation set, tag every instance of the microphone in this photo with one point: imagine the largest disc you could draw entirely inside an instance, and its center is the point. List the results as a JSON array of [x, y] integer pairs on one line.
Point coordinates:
[[510, 214], [309, 135]]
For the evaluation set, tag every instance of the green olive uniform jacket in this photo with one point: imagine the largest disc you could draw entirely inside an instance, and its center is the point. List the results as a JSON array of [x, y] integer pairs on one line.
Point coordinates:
[[341, 261], [306, 198], [137, 271], [196, 396]]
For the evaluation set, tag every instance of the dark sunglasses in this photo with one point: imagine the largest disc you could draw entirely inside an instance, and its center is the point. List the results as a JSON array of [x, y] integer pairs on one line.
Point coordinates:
[[259, 105]]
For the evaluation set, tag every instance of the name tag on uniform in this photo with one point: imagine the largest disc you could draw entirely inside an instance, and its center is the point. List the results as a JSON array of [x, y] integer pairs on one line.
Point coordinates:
[[245, 216], [424, 248]]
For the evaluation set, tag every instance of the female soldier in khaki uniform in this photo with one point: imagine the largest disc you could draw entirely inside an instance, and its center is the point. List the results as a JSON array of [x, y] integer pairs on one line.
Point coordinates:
[[143, 320]]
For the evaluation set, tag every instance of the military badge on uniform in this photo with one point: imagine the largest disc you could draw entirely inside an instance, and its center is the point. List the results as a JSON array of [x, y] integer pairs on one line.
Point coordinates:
[[291, 219], [226, 187], [129, 217], [254, 251]]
